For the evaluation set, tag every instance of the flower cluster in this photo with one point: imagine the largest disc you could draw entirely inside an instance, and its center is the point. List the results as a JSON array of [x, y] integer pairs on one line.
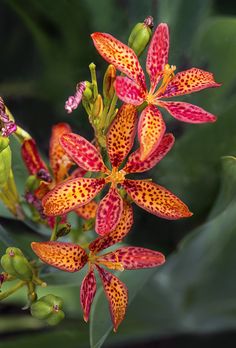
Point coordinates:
[[95, 179]]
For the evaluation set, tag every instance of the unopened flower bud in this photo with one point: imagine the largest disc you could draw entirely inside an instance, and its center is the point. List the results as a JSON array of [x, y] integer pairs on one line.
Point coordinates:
[[15, 264], [97, 107], [49, 308], [31, 184], [63, 230], [108, 82], [5, 164], [141, 35]]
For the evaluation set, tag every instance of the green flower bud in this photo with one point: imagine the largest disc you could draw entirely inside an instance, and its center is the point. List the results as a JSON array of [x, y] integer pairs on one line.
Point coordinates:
[[108, 82], [97, 108], [88, 93], [32, 183], [15, 264], [4, 142], [48, 308], [141, 35]]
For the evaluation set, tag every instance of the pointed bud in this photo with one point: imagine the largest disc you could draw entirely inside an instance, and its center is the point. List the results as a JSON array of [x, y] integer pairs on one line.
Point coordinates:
[[32, 183], [141, 35], [49, 308], [108, 82], [97, 107]]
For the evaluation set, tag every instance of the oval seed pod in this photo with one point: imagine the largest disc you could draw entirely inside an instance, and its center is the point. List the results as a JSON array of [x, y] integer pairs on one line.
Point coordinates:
[[49, 308], [141, 35], [15, 263]]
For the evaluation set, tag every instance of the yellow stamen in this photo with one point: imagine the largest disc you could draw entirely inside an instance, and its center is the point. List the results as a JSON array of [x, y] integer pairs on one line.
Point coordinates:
[[168, 75], [116, 176]]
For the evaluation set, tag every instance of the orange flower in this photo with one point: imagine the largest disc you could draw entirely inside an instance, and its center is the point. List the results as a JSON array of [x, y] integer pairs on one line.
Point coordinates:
[[75, 193], [132, 88], [71, 257]]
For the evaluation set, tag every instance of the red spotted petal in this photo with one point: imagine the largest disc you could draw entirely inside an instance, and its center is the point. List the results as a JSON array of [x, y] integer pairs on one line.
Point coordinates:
[[118, 234], [134, 163], [134, 257], [157, 56], [188, 81], [117, 296], [156, 199], [120, 137], [120, 55], [129, 91], [87, 211], [70, 195], [68, 257], [78, 173], [87, 293], [59, 161], [31, 157], [151, 129], [109, 212], [82, 152], [188, 112]]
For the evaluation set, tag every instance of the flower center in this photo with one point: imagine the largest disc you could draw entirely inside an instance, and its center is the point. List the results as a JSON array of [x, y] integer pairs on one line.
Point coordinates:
[[96, 259], [116, 176]]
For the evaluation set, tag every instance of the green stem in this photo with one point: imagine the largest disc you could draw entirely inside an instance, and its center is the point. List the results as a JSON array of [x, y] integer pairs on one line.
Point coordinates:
[[54, 231], [11, 291]]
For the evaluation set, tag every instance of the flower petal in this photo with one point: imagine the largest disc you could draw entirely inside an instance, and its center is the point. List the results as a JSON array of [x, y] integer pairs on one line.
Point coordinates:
[[109, 212], [87, 293], [120, 137], [151, 129], [189, 81], [118, 234], [82, 152], [70, 195], [129, 91], [134, 257], [117, 296], [59, 161], [120, 55], [156, 199], [188, 112], [87, 211], [134, 163], [157, 56], [31, 157], [68, 257]]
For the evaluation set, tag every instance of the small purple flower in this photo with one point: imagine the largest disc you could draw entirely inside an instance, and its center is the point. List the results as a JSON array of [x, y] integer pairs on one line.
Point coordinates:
[[7, 126], [73, 101]]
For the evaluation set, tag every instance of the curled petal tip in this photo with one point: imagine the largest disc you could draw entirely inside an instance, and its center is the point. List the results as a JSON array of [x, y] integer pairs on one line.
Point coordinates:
[[73, 101]]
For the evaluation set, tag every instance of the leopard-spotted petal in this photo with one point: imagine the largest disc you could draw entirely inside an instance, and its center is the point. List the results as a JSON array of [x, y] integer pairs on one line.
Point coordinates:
[[70, 195], [117, 296], [186, 112], [59, 160], [87, 293], [134, 163], [82, 152], [68, 257], [189, 81], [156, 199], [157, 56], [118, 234], [120, 137], [129, 91], [134, 257], [151, 129], [120, 55], [109, 212], [87, 211], [32, 158]]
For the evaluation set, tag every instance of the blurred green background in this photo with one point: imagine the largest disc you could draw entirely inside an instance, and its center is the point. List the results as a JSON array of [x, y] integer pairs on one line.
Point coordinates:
[[45, 51]]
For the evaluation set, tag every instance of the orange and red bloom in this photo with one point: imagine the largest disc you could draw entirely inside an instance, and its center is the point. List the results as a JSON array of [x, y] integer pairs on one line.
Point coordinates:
[[72, 258], [77, 192], [132, 88]]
